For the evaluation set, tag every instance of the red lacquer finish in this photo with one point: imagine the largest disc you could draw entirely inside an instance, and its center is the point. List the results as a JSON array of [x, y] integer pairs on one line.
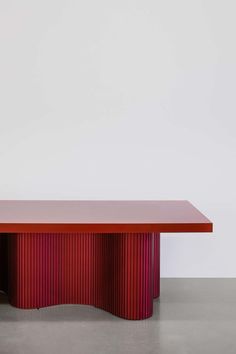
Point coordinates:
[[17, 216], [118, 273]]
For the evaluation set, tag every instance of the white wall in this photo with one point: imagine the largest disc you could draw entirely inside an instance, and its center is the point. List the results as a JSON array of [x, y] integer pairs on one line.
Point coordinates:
[[124, 100]]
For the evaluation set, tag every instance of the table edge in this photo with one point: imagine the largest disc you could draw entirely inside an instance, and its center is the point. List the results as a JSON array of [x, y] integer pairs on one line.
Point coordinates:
[[105, 227]]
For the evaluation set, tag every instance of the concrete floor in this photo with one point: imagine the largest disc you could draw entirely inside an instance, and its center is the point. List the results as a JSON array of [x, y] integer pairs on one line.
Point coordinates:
[[192, 316]]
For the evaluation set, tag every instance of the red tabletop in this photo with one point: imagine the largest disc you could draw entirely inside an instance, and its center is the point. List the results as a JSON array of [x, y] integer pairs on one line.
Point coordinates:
[[101, 216]]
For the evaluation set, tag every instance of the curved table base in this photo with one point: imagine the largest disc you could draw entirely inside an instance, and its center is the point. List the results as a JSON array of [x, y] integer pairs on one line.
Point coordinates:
[[119, 273]]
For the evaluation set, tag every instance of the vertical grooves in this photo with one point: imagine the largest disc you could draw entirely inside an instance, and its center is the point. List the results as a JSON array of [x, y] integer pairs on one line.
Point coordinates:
[[116, 272], [156, 265]]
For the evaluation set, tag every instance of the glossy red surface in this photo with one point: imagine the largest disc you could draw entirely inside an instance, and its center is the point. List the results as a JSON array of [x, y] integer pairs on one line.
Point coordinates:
[[101, 216]]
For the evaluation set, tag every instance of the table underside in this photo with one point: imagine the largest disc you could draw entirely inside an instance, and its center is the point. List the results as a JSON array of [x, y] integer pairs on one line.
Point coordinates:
[[117, 272]]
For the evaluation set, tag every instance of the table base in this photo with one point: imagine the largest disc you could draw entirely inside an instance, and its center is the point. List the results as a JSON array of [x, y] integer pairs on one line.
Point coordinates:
[[119, 273]]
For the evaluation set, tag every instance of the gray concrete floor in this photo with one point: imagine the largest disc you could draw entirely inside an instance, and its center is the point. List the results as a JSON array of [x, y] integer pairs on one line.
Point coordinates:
[[192, 316]]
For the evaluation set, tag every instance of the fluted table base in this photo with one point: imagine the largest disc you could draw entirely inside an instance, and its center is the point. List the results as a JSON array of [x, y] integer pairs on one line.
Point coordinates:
[[119, 273]]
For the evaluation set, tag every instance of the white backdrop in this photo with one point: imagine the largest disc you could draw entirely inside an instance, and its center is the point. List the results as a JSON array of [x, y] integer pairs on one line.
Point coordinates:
[[124, 100]]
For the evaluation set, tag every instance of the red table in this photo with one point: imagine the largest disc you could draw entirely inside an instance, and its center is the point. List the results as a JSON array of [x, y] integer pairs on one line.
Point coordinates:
[[101, 253]]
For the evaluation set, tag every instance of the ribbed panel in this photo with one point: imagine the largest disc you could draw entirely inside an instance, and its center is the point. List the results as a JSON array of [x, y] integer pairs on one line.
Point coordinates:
[[156, 265], [115, 272]]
